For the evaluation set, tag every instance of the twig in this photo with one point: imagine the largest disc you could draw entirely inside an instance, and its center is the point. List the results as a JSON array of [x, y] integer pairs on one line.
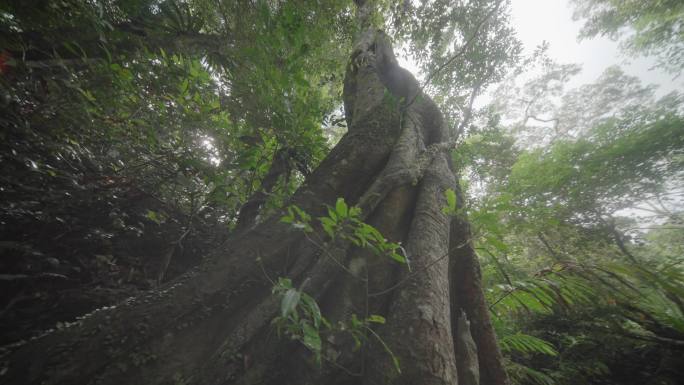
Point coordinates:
[[412, 274]]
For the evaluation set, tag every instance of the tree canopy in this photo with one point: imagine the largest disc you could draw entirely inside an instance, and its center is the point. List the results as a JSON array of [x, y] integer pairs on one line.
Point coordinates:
[[286, 204], [647, 28]]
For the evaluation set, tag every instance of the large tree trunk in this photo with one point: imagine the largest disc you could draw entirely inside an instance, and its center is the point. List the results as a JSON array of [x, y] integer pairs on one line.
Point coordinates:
[[213, 325]]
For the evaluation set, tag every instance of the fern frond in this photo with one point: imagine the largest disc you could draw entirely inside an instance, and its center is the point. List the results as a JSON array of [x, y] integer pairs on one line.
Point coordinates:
[[525, 343], [541, 294], [521, 374]]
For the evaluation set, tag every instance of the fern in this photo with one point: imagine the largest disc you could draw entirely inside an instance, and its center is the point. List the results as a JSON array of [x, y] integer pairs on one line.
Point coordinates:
[[573, 284], [542, 294], [525, 343], [521, 374]]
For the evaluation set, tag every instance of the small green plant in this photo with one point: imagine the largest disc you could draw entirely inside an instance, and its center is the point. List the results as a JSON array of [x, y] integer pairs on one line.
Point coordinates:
[[344, 222], [298, 218], [360, 329], [300, 317]]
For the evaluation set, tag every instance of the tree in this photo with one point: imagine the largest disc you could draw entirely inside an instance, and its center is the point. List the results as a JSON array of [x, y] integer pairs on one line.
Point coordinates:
[[214, 323], [652, 28], [137, 152], [582, 287]]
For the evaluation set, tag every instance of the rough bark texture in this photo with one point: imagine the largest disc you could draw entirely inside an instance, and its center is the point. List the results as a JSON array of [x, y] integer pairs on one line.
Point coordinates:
[[212, 325], [467, 296]]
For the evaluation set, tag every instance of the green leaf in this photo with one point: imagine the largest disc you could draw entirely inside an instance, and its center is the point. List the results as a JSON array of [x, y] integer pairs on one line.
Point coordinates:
[[312, 309], [312, 339], [183, 87], [289, 218], [355, 322], [284, 283], [341, 208], [451, 198], [328, 226], [398, 257], [376, 319], [289, 302], [499, 245], [303, 215]]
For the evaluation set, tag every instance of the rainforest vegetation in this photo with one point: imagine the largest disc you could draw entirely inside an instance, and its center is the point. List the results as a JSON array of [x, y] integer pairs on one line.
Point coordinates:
[[256, 192]]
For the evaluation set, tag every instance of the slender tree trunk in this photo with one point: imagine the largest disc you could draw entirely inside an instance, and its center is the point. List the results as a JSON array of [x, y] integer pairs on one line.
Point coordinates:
[[213, 325], [250, 210]]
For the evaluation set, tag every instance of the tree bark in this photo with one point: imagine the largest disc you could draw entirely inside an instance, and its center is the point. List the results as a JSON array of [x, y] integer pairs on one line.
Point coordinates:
[[213, 325]]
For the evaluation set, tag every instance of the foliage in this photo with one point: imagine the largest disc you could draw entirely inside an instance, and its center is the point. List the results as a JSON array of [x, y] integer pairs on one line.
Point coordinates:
[[345, 223], [585, 175], [300, 317], [526, 344], [135, 133], [461, 47], [651, 28], [559, 225]]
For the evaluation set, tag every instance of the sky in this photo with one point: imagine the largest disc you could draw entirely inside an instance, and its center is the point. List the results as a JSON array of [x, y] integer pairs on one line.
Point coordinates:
[[537, 21], [551, 20]]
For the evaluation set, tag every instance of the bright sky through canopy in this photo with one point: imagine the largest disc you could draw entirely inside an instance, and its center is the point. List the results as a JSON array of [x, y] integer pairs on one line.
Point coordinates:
[[537, 21], [551, 20]]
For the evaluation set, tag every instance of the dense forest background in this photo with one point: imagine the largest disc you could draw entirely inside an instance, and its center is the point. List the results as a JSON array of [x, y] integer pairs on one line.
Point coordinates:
[[137, 135]]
